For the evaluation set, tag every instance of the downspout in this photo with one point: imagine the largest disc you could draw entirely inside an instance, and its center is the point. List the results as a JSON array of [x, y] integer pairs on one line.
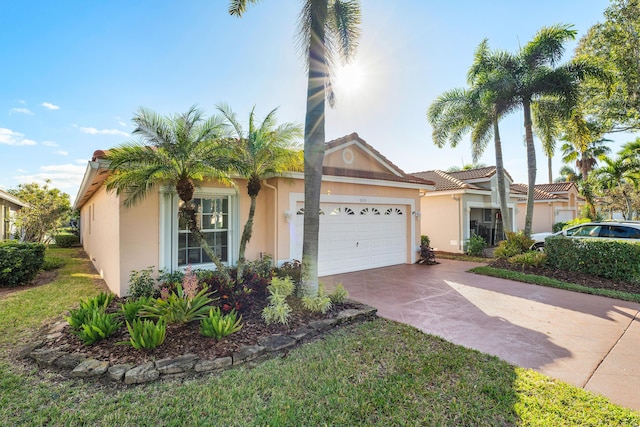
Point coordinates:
[[275, 222], [458, 199]]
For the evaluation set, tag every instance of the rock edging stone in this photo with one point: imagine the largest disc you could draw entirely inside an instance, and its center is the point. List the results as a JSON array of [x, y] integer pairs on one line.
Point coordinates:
[[77, 366]]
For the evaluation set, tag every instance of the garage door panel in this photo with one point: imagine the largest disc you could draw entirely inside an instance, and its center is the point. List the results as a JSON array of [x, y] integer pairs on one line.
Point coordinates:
[[357, 237]]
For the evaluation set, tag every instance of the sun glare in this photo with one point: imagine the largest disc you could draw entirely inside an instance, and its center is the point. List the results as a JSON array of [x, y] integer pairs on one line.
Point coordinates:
[[350, 79]]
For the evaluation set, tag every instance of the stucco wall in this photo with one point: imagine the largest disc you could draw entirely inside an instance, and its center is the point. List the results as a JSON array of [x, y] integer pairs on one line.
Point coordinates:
[[441, 219], [353, 157], [543, 216], [100, 235]]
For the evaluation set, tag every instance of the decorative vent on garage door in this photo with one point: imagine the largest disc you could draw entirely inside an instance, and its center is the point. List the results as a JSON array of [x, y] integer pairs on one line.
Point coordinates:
[[342, 210], [393, 211], [369, 211], [301, 212]]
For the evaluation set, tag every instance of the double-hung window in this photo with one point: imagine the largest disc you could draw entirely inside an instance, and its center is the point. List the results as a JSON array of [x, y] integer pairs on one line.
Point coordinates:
[[212, 218]]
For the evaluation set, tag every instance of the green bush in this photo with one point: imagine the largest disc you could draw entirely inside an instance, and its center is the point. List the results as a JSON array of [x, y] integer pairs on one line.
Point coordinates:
[[67, 240], [98, 326], [475, 245], [339, 295], [219, 325], [131, 308], [425, 241], [278, 310], [559, 226], [145, 334], [599, 257], [292, 269], [20, 262], [179, 307], [141, 284], [320, 303], [529, 259], [516, 243], [82, 315]]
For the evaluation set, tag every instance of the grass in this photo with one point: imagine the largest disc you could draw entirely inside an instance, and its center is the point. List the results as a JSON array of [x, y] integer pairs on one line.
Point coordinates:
[[553, 283], [374, 373]]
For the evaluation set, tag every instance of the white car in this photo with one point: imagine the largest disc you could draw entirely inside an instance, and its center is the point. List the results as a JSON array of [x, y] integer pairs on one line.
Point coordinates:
[[624, 231]]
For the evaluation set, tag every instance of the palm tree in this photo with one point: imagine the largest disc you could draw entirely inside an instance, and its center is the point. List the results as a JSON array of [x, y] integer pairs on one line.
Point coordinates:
[[476, 110], [534, 75], [329, 30], [547, 117], [263, 151], [178, 151], [620, 173]]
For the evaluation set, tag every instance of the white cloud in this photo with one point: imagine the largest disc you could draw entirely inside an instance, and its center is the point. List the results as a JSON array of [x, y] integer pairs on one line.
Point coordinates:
[[21, 170], [123, 124], [21, 110], [9, 137], [94, 131], [65, 177], [62, 152], [49, 143], [50, 106]]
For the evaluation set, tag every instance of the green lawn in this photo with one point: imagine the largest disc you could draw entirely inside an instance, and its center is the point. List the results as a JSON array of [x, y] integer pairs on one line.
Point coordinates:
[[374, 373]]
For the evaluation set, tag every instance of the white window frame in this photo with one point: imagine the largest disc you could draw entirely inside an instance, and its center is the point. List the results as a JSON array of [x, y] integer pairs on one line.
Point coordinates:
[[168, 254]]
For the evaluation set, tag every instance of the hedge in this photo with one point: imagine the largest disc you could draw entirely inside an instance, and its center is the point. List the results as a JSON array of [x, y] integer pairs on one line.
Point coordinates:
[[604, 258], [20, 262], [67, 240]]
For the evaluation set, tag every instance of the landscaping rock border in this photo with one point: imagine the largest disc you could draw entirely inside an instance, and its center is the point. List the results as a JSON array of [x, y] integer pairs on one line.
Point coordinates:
[[77, 366]]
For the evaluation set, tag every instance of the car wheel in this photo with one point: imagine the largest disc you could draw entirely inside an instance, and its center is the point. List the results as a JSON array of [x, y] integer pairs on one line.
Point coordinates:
[[538, 247]]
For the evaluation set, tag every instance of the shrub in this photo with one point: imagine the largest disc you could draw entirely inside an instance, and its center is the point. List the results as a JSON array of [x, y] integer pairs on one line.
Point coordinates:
[[425, 241], [179, 307], [529, 259], [278, 310], [559, 226], [262, 267], [141, 284], [475, 245], [52, 263], [576, 221], [20, 262], [145, 334], [320, 303], [67, 240], [219, 325], [516, 243], [599, 257], [170, 279], [99, 325], [339, 294], [292, 269], [131, 308]]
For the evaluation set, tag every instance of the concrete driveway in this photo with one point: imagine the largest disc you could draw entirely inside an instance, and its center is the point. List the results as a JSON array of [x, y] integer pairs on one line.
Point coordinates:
[[589, 341]]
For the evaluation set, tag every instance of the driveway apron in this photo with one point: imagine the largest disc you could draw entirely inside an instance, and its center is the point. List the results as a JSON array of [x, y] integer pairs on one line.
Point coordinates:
[[588, 341]]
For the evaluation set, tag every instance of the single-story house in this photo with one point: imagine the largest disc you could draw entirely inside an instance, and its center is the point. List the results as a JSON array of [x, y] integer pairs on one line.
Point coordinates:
[[557, 202], [463, 203], [9, 206], [370, 217]]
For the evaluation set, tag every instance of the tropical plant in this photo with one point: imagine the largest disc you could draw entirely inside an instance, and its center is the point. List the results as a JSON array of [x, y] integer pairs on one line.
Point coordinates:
[[45, 211], [278, 310], [146, 334], [82, 315], [179, 306], [516, 243], [475, 245], [141, 284], [621, 173], [328, 29], [131, 308], [530, 259], [218, 325], [265, 150], [320, 303], [339, 294], [98, 326], [179, 151]]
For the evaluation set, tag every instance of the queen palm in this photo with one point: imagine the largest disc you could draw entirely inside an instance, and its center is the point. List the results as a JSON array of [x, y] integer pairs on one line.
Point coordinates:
[[534, 74], [179, 151], [265, 150], [329, 30], [476, 110], [620, 173]]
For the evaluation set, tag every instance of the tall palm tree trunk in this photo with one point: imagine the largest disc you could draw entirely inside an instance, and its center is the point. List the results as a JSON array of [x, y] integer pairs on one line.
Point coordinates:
[[531, 166], [550, 168], [502, 191], [246, 236], [314, 139]]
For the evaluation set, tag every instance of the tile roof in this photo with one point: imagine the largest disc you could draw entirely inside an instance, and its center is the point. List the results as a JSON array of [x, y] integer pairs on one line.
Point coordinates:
[[538, 194], [557, 187], [463, 175], [444, 180], [352, 173]]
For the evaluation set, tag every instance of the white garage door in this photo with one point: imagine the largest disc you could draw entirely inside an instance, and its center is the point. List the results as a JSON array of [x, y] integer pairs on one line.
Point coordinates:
[[357, 236]]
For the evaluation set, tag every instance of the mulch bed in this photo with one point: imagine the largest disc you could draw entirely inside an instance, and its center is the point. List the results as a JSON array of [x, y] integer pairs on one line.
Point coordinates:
[[572, 277], [186, 339]]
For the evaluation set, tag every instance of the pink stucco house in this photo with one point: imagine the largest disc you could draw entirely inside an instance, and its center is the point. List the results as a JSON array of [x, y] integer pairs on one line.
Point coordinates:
[[370, 217], [9, 207]]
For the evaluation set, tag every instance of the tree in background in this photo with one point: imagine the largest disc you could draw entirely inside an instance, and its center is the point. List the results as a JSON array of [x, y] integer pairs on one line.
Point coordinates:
[[329, 30], [620, 175], [265, 150], [47, 210], [614, 45]]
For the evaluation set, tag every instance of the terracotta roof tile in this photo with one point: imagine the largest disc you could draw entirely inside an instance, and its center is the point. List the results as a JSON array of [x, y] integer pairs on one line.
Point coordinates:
[[444, 180], [538, 194], [352, 173], [556, 187]]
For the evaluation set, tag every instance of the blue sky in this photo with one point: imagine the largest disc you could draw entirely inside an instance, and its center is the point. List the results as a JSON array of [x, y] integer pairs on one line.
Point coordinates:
[[74, 73]]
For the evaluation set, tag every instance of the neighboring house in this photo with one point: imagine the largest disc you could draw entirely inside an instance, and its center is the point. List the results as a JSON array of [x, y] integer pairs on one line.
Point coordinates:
[[9, 206], [557, 202], [463, 203], [369, 218]]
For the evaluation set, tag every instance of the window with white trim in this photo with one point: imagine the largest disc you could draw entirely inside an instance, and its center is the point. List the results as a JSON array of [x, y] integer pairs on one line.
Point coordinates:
[[212, 218]]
